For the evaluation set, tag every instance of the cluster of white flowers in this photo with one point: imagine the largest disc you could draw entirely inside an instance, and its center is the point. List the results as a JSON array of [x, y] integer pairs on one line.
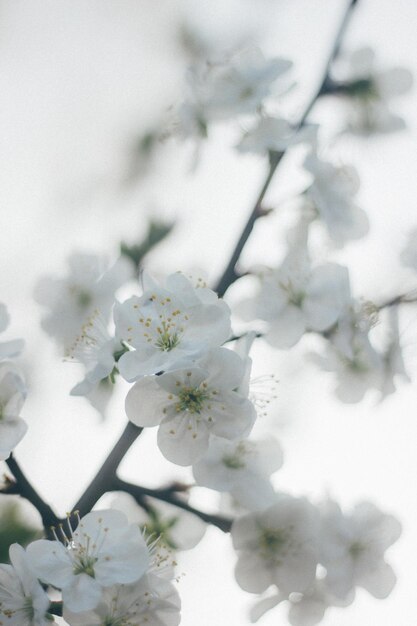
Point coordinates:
[[172, 344], [12, 392], [313, 557], [107, 574]]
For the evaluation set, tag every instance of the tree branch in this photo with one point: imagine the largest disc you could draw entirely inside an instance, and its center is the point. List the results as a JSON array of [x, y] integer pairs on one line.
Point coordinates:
[[230, 275], [22, 487], [105, 476], [169, 495]]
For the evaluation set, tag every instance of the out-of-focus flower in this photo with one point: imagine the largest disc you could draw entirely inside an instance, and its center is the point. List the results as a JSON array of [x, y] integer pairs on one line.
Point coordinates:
[[331, 197], [193, 403], [242, 468], [296, 298], [371, 91], [90, 285], [272, 134], [98, 351], [351, 356], [168, 325], [408, 255], [102, 551], [225, 90], [277, 546], [12, 396], [8, 349], [353, 547], [23, 602]]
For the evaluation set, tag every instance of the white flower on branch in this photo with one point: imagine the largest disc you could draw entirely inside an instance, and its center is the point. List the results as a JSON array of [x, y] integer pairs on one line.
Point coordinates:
[[169, 324], [8, 349], [370, 91], [242, 468], [220, 91], [89, 285], [102, 551], [153, 601], [12, 397], [352, 549], [23, 602], [296, 298], [331, 196], [278, 546], [193, 403]]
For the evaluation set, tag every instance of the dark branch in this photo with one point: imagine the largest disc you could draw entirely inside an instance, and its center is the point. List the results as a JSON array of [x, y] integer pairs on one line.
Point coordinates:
[[230, 275], [22, 487], [104, 478], [405, 298], [169, 495]]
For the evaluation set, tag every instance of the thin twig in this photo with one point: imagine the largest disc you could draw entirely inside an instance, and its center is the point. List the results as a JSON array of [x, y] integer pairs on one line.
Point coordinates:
[[170, 496], [104, 477], [405, 298], [230, 275], [22, 487]]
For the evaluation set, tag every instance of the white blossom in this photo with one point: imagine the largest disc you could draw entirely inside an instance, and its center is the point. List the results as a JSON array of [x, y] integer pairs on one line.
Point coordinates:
[[23, 602], [353, 547], [242, 468], [12, 397], [277, 546], [8, 349], [296, 298], [102, 551], [193, 403], [331, 195], [408, 255], [97, 350], [370, 91], [219, 91], [153, 601], [350, 355], [89, 285], [309, 608], [168, 325], [274, 134]]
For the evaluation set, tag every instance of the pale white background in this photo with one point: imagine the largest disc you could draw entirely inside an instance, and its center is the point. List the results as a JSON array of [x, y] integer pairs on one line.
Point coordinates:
[[78, 82]]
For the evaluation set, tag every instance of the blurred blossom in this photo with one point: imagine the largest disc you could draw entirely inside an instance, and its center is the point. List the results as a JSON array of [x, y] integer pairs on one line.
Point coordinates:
[[90, 285], [331, 197], [370, 91]]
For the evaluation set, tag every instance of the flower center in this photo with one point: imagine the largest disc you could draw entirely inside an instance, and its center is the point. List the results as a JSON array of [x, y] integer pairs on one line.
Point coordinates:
[[356, 549], [84, 564], [272, 541], [191, 399], [166, 340]]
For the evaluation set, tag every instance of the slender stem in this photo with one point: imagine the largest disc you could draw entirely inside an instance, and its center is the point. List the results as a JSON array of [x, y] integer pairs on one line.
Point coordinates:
[[169, 495], [230, 275], [104, 477], [22, 487], [405, 298]]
